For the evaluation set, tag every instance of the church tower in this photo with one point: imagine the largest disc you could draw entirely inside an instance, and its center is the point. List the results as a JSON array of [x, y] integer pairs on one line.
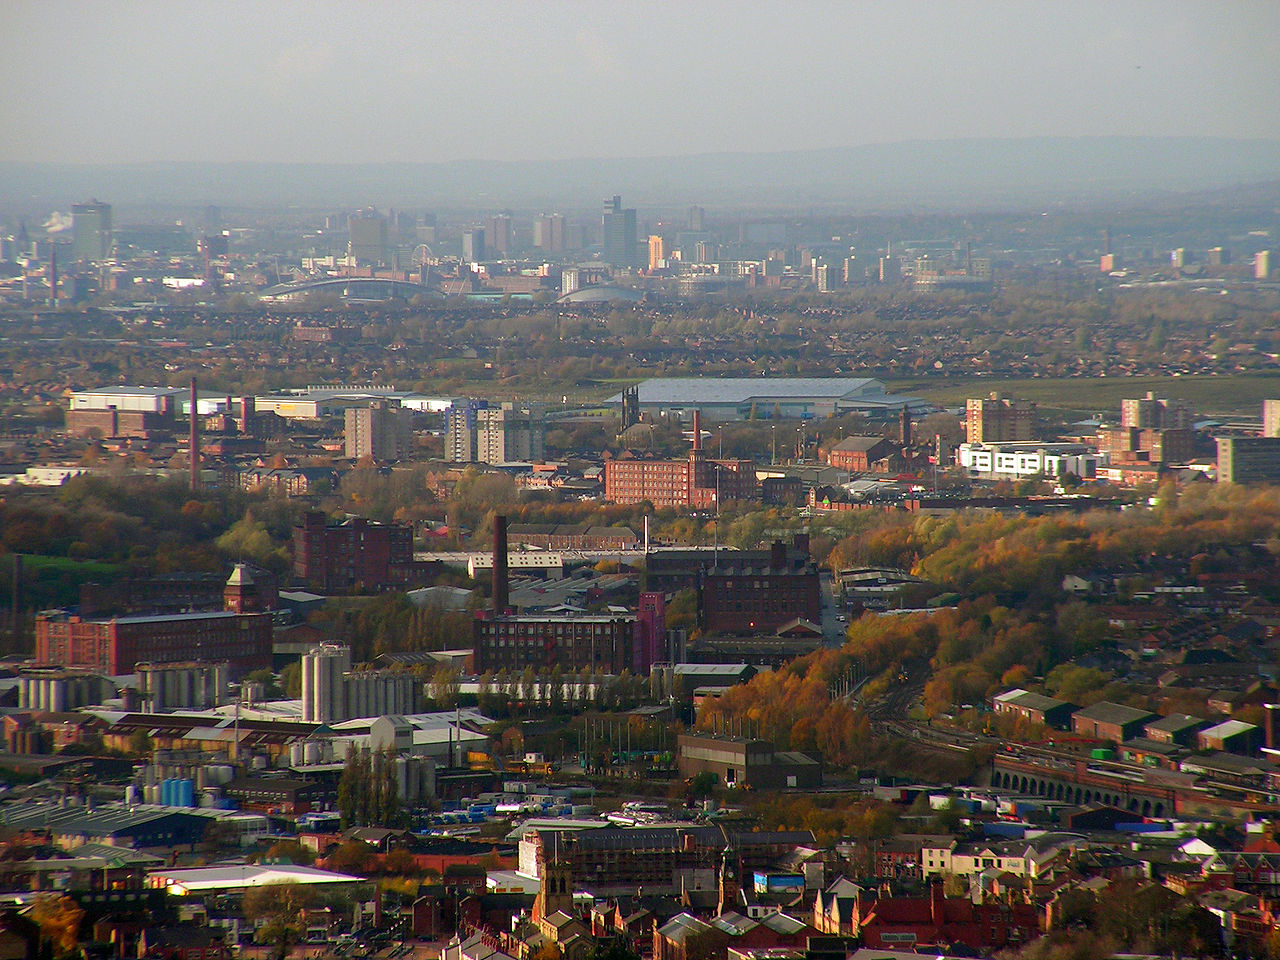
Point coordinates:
[[556, 892]]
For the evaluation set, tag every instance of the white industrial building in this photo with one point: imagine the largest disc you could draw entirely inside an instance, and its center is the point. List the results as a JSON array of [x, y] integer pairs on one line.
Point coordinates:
[[138, 399], [1023, 460]]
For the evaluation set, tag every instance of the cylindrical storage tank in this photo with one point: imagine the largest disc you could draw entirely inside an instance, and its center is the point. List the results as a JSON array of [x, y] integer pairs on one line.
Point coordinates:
[[151, 793], [297, 756], [311, 752], [186, 793], [259, 762], [131, 794]]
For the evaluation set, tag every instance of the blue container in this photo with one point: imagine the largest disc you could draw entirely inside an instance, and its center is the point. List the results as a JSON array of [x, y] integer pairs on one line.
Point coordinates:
[[1001, 828], [186, 791], [166, 792]]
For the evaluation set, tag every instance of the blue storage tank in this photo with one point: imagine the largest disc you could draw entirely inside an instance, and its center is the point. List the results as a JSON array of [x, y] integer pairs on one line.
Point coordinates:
[[166, 792], [186, 791]]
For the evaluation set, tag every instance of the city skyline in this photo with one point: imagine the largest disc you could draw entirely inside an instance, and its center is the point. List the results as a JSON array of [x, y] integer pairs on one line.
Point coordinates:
[[446, 82]]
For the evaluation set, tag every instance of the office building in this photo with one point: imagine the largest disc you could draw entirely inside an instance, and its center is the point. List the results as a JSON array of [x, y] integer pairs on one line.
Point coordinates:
[[510, 433], [1149, 412], [473, 246], [367, 237], [91, 231], [1262, 265], [619, 232], [1249, 459], [1219, 257], [657, 255], [548, 233], [1179, 258], [382, 430], [997, 419], [697, 219], [333, 692], [500, 236], [570, 280]]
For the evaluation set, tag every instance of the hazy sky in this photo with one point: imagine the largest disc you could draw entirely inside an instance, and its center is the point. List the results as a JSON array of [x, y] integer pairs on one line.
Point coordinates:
[[427, 80]]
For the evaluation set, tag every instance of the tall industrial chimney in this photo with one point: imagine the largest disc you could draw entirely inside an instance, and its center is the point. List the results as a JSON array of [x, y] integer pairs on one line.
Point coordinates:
[[501, 599], [193, 444], [697, 430]]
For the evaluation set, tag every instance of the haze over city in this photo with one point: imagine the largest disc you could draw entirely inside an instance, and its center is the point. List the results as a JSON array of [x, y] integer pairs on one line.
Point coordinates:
[[425, 82]]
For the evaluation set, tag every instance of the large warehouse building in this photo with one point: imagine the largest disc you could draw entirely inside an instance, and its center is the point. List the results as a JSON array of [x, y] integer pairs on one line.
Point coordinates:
[[765, 398]]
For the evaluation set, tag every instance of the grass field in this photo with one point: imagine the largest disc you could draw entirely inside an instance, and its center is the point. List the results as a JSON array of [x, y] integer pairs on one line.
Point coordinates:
[[1209, 396]]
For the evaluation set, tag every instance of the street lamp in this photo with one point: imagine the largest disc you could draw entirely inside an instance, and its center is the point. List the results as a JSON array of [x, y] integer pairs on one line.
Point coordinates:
[[773, 444]]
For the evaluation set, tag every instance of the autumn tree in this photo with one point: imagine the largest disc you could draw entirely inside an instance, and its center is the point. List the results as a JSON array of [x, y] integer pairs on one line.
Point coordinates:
[[276, 910]]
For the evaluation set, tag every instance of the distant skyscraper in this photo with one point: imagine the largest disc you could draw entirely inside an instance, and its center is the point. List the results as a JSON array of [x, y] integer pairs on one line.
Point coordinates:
[[570, 280], [998, 419], [657, 256], [473, 246], [1179, 258], [380, 431], [500, 236], [619, 233], [1219, 256], [367, 233], [91, 231], [1262, 265], [1151, 413], [548, 233], [697, 219], [1271, 418]]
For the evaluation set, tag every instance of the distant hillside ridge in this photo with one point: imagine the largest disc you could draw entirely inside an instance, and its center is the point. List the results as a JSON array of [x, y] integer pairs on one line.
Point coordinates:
[[937, 174]]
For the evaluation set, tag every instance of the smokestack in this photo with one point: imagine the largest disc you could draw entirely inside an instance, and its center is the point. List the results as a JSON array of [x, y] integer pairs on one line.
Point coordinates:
[[697, 430], [193, 444], [501, 599], [53, 275], [15, 599], [904, 425]]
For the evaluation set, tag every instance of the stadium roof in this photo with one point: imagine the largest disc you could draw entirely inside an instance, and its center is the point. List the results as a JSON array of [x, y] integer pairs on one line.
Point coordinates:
[[240, 877], [710, 390]]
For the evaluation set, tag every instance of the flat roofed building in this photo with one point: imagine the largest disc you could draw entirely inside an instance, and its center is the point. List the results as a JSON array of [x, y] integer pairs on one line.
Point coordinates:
[[999, 419], [1249, 459], [117, 645], [605, 644], [734, 398], [1034, 708], [123, 411], [1110, 721], [738, 761], [1179, 729]]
